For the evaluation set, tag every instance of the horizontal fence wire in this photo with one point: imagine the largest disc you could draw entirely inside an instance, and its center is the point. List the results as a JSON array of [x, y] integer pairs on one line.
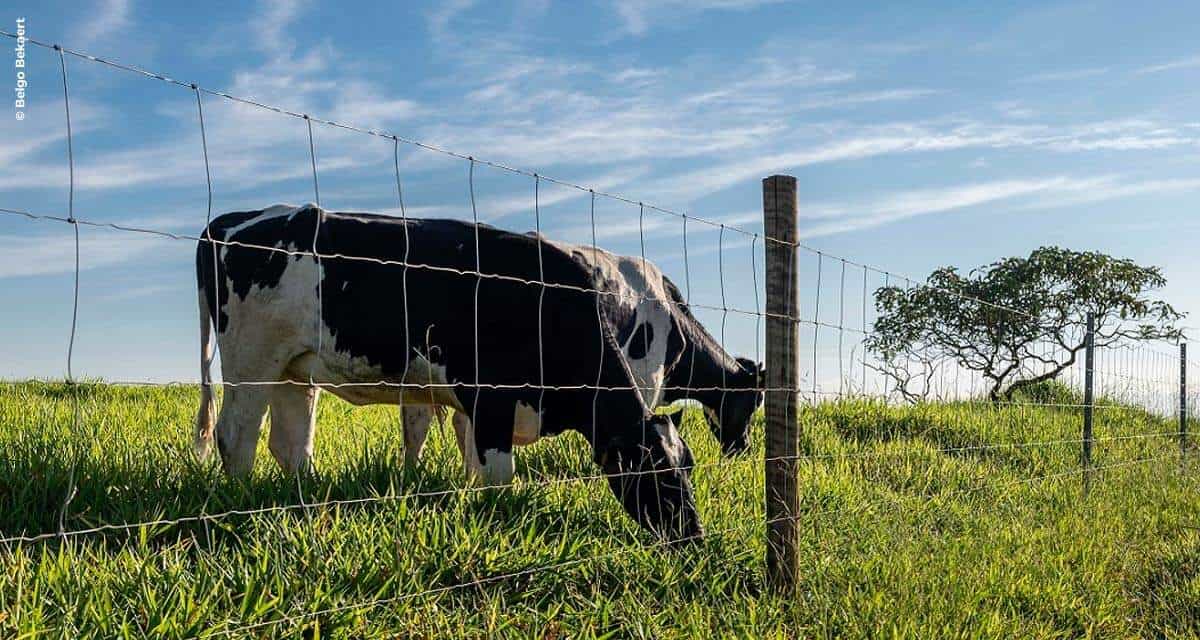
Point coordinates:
[[801, 390]]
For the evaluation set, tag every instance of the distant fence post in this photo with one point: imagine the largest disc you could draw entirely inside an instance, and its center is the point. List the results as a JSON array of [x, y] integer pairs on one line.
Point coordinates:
[[1089, 398], [782, 381], [1183, 417]]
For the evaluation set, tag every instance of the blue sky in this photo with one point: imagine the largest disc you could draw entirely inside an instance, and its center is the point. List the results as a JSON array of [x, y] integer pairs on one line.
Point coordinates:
[[922, 135]]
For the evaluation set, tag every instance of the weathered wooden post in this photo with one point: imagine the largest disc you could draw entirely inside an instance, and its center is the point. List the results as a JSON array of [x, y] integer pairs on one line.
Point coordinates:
[[1183, 417], [782, 382], [1089, 397]]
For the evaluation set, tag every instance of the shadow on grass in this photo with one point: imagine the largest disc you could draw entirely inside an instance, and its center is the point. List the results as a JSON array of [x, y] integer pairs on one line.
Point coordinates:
[[120, 470], [36, 478]]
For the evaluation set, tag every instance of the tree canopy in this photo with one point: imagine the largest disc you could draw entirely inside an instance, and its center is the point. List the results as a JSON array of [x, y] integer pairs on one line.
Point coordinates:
[[1018, 321]]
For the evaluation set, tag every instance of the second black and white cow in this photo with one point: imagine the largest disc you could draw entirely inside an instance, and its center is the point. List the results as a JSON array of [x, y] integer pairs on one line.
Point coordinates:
[[670, 353], [400, 302]]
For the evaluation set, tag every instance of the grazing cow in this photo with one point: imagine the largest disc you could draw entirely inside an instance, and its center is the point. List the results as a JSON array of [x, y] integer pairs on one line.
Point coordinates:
[[671, 355], [356, 318]]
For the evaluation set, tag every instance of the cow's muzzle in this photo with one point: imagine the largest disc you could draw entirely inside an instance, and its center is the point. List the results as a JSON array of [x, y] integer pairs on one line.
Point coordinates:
[[651, 479]]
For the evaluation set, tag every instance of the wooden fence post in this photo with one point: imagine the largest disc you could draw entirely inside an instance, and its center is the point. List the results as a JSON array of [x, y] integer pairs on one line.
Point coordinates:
[[1183, 417], [1089, 398], [782, 381]]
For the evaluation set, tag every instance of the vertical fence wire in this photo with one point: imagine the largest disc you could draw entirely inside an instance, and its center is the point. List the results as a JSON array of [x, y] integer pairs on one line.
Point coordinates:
[[469, 445], [408, 348], [638, 305], [687, 281], [724, 320], [841, 328], [72, 383], [816, 326], [312, 156], [758, 311], [319, 276], [599, 322], [863, 353], [205, 355], [537, 223]]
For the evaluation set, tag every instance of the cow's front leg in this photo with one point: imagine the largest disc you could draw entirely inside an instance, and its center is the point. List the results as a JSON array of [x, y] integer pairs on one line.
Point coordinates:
[[293, 423], [417, 419], [486, 445], [238, 427]]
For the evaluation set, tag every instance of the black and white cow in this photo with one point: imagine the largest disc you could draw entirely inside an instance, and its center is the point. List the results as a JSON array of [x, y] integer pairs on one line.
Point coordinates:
[[418, 325], [671, 355]]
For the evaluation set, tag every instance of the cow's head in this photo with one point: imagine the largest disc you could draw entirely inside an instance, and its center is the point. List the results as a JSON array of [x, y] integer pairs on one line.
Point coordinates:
[[730, 419], [648, 470]]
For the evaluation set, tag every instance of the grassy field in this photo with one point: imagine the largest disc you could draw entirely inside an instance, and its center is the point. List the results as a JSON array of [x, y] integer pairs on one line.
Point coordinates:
[[919, 521]]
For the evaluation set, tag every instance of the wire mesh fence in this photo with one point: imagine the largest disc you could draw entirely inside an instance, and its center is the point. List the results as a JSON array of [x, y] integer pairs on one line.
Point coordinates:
[[1095, 404]]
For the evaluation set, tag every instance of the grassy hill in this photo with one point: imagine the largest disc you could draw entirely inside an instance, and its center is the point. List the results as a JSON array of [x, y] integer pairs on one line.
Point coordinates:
[[959, 520]]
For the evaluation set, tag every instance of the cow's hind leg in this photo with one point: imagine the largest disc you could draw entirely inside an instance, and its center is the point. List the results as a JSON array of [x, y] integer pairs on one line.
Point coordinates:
[[293, 423], [465, 435], [238, 426]]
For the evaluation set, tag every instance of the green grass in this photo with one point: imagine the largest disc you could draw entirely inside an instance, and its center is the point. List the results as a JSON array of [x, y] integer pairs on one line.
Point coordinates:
[[918, 522]]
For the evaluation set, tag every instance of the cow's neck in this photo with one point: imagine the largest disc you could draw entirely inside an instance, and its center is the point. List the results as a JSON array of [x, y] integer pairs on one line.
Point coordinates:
[[702, 370]]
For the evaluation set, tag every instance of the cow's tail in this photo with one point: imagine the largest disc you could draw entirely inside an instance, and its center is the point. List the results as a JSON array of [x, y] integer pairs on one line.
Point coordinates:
[[206, 417]]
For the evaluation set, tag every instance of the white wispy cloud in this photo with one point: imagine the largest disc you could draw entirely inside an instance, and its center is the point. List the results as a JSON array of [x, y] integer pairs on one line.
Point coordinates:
[[829, 100], [1113, 188], [543, 112], [654, 224], [493, 208], [110, 18], [771, 76], [121, 294], [635, 75], [874, 141], [1065, 76], [841, 217], [270, 25], [637, 16], [364, 104], [440, 18], [1015, 109], [828, 218], [245, 142], [50, 253], [1173, 65]]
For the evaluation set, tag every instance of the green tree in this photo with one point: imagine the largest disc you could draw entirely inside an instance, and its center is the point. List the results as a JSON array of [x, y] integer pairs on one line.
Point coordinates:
[[1018, 321]]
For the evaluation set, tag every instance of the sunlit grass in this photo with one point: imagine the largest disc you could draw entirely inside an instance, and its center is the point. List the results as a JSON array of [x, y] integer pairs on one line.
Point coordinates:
[[942, 520]]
